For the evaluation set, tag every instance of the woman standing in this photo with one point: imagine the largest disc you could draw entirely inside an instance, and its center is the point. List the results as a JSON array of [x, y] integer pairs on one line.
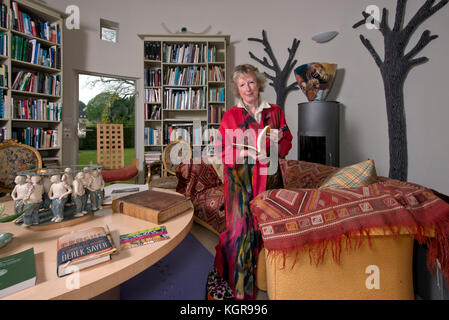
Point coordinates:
[[245, 176]]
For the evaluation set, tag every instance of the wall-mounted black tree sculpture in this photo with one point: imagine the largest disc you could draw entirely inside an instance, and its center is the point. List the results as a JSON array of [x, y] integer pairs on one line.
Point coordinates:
[[280, 78], [394, 69]]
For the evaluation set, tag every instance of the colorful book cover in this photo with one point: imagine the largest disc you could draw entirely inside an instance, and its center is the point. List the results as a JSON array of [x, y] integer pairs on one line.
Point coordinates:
[[80, 247], [140, 238]]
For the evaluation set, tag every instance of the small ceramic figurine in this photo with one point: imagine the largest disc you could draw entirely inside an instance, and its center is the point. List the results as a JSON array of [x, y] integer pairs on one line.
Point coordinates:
[[87, 175], [46, 183], [79, 195], [32, 201], [68, 178], [19, 192], [58, 193], [96, 189]]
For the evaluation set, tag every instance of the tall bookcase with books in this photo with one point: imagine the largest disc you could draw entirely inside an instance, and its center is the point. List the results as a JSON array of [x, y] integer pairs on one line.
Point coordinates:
[[31, 76], [184, 91]]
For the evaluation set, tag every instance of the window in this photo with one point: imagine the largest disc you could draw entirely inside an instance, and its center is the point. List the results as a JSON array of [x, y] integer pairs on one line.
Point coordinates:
[[109, 30]]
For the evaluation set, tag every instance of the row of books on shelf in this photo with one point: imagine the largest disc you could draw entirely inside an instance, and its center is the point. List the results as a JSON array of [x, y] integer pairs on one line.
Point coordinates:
[[184, 53], [152, 95], [185, 133], [152, 50], [185, 76], [216, 74], [151, 136], [152, 156], [215, 114], [3, 43], [3, 131], [36, 137], [184, 99], [2, 105], [152, 77], [30, 50], [212, 54], [3, 76], [34, 26], [152, 112], [216, 94], [4, 16], [212, 134], [50, 162], [2, 109], [39, 109], [194, 135], [37, 82]]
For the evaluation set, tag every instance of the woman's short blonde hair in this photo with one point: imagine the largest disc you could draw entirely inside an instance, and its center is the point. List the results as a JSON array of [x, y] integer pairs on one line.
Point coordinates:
[[245, 70]]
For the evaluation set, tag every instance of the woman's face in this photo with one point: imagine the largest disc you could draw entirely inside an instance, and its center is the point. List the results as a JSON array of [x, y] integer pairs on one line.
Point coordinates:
[[248, 89]]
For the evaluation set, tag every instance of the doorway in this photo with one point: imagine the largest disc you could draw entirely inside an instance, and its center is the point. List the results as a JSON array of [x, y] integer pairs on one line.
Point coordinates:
[[105, 99]]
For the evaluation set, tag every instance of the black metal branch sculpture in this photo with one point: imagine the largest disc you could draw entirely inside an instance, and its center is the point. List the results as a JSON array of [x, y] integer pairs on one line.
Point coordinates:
[[394, 69], [279, 80]]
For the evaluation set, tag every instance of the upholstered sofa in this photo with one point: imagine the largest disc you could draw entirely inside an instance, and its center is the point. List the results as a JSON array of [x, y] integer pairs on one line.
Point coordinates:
[[372, 261]]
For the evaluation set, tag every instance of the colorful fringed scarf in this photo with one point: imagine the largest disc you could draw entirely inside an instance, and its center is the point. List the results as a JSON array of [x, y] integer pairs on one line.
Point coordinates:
[[322, 218], [239, 244]]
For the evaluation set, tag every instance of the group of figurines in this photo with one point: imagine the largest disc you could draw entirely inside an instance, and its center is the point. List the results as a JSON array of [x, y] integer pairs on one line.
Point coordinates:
[[57, 191]]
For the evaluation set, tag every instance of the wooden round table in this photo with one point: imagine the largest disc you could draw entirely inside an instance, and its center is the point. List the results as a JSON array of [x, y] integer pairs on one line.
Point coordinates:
[[102, 277]]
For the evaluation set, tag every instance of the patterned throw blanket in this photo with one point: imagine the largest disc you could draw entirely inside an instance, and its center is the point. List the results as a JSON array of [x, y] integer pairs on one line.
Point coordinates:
[[320, 218]]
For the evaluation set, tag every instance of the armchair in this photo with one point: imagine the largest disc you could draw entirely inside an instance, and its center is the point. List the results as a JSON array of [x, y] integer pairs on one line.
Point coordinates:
[[169, 179], [351, 261], [16, 157]]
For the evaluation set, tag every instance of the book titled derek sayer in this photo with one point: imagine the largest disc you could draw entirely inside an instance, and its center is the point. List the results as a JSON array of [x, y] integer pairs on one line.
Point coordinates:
[[81, 249]]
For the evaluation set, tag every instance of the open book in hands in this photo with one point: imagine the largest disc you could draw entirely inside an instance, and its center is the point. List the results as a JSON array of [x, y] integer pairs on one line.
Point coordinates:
[[260, 147]]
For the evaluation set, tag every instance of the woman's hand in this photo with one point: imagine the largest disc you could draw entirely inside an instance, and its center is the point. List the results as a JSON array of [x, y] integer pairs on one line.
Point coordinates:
[[275, 135], [257, 156]]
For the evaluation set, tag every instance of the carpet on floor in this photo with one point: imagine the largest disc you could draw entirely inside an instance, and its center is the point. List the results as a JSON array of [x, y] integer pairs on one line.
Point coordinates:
[[180, 275]]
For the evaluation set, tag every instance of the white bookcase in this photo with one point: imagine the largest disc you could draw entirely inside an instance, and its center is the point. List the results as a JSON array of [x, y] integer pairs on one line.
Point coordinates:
[[31, 63], [184, 90]]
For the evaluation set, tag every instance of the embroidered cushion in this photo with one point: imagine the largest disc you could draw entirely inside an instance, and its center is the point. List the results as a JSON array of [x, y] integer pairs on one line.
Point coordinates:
[[360, 174], [208, 208], [302, 174], [194, 176]]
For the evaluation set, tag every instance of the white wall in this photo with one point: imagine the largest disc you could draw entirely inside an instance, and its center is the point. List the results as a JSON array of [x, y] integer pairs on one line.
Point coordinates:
[[359, 85]]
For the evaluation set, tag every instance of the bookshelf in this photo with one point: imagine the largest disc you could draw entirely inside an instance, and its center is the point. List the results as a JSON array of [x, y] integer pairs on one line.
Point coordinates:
[[184, 91], [31, 76]]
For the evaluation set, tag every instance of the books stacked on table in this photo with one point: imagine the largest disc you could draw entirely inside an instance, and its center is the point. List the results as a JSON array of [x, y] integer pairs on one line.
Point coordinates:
[[81, 249], [17, 272]]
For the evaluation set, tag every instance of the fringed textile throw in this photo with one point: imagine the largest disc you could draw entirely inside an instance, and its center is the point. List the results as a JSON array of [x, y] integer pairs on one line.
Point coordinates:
[[290, 220]]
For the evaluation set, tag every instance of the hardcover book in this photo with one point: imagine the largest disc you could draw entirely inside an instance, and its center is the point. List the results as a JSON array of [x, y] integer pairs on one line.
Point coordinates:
[[81, 249], [260, 140], [17, 272], [151, 205]]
